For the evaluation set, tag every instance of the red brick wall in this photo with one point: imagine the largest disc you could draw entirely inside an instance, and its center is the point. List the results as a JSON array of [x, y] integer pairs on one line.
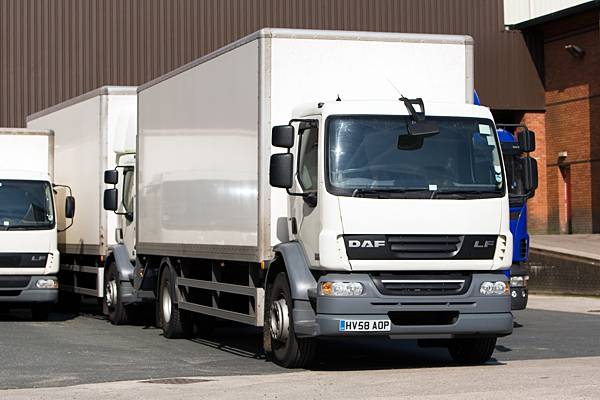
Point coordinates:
[[572, 125], [537, 207]]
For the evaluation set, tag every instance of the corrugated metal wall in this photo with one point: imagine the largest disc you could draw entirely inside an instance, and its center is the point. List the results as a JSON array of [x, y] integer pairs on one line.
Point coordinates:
[[51, 50]]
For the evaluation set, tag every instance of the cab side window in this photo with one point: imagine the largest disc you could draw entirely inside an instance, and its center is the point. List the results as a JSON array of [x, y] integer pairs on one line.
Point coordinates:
[[308, 159], [128, 175]]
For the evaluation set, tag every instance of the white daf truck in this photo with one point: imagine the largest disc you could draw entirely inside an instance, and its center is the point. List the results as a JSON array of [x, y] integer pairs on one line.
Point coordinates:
[[320, 183], [88, 131], [29, 223]]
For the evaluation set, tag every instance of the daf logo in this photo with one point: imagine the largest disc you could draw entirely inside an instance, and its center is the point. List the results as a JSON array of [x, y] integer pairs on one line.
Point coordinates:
[[38, 258], [366, 243], [485, 244]]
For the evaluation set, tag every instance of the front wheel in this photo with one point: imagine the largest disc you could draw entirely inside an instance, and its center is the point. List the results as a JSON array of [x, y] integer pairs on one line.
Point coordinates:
[[112, 302], [472, 351], [282, 345]]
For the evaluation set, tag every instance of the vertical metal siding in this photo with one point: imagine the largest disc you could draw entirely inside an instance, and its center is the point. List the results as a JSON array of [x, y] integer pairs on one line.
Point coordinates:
[[54, 50]]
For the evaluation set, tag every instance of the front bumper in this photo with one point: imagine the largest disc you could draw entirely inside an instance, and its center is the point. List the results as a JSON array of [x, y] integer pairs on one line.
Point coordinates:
[[23, 291], [475, 315]]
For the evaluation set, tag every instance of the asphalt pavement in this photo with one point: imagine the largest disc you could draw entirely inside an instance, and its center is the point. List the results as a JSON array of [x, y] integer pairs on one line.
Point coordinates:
[[80, 349]]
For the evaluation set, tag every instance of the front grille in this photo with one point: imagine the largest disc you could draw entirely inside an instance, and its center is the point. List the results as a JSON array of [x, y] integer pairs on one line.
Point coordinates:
[[10, 293], [523, 248], [413, 318], [425, 246], [422, 285], [14, 281], [23, 260]]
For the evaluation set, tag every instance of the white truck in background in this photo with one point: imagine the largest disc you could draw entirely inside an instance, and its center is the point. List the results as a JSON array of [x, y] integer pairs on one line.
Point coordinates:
[[88, 130], [384, 216], [29, 257]]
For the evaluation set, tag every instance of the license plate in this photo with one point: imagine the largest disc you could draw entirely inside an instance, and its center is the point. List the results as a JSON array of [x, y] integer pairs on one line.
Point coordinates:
[[365, 325]]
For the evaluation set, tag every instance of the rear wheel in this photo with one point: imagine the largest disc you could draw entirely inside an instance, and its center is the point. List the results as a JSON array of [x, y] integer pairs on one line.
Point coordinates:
[[472, 351], [282, 344], [112, 303], [175, 323]]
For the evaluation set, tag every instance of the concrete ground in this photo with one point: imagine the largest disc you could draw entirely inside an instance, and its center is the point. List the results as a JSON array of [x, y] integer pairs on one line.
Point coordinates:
[[551, 354], [575, 378], [587, 246]]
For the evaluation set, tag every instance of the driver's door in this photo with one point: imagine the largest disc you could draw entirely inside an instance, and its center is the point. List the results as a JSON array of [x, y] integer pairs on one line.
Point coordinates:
[[306, 222]]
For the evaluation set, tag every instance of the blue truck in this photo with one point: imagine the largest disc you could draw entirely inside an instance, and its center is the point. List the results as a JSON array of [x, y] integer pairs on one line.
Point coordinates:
[[516, 141]]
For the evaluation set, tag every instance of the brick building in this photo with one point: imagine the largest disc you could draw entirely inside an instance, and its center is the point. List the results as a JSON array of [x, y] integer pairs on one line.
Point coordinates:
[[564, 41]]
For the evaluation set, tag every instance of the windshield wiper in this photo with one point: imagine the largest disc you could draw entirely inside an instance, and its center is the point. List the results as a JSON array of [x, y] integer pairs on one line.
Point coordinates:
[[469, 193], [28, 226], [385, 193]]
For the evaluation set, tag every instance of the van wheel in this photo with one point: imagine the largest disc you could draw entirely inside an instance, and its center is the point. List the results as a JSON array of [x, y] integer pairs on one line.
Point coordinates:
[[112, 303], [175, 323], [39, 312], [282, 345], [472, 351]]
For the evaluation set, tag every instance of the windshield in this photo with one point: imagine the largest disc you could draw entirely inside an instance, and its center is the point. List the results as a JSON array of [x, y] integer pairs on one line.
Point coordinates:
[[26, 205], [375, 156]]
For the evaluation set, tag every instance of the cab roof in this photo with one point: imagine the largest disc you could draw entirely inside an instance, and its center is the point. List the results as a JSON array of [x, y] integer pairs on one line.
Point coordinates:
[[395, 107]]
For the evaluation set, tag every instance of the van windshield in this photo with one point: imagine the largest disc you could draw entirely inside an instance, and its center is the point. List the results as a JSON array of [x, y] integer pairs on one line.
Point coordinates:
[[374, 156], [26, 204]]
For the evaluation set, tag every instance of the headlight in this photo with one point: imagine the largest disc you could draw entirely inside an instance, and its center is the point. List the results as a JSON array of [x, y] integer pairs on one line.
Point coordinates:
[[493, 288], [47, 284], [519, 281], [341, 289]]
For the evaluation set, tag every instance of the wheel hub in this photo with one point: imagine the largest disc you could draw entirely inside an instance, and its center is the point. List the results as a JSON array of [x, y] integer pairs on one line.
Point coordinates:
[[166, 305], [111, 293], [280, 321]]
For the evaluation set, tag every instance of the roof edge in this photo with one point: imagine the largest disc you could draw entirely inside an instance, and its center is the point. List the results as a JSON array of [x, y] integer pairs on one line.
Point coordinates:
[[26, 131], [567, 12], [103, 90]]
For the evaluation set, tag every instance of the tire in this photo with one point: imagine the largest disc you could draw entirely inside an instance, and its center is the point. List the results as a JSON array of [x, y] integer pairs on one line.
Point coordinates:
[[175, 323], [39, 312], [112, 303], [472, 351], [281, 343]]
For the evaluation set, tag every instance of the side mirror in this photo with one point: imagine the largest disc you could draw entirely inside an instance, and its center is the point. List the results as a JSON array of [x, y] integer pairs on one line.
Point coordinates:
[[283, 136], [111, 199], [526, 141], [69, 207], [281, 170], [111, 177], [530, 169]]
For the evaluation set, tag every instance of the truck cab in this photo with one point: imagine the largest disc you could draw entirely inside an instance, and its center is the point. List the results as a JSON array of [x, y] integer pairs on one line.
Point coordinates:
[[514, 148], [400, 210], [29, 258]]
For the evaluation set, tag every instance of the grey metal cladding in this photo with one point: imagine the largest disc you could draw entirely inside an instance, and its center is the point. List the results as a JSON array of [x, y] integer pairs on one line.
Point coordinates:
[[54, 51]]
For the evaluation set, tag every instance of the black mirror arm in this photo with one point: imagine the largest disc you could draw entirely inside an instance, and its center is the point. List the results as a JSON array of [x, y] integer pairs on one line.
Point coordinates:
[[309, 198], [55, 185]]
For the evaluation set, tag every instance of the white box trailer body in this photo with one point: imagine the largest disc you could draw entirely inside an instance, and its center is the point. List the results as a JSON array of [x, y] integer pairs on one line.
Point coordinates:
[[89, 130], [27, 150], [204, 153], [28, 251]]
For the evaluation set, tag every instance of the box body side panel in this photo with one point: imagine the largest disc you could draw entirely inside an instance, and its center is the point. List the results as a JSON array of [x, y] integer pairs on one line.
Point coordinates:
[[79, 162], [198, 159]]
